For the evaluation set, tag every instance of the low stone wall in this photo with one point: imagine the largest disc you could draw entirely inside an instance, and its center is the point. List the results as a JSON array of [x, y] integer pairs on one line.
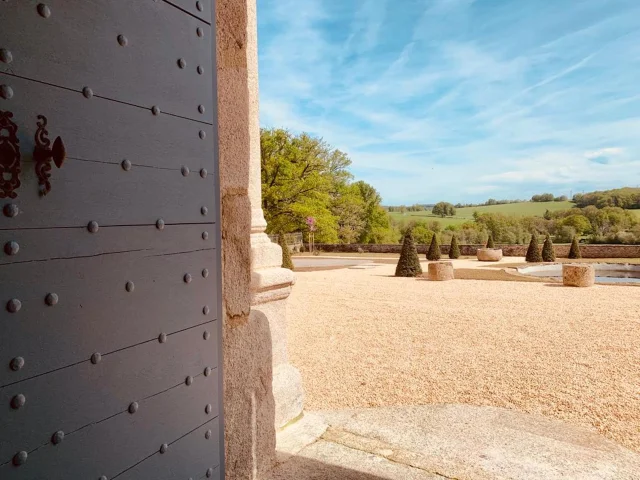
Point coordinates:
[[562, 251]]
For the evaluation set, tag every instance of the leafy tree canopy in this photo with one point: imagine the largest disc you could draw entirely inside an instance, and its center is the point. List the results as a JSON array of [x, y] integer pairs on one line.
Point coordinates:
[[444, 209], [303, 176], [620, 197]]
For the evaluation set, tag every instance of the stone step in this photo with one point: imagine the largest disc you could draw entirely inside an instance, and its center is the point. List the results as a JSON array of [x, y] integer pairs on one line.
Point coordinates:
[[460, 442]]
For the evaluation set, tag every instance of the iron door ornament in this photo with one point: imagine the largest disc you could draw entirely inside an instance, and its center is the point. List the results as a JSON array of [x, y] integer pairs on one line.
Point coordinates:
[[9, 156], [43, 153]]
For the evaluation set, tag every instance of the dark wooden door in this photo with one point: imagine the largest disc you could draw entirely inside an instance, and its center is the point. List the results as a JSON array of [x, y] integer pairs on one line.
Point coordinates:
[[109, 268]]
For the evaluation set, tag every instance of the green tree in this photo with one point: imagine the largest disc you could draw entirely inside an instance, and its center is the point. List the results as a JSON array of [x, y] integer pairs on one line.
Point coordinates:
[[409, 263], [376, 227], [627, 197], [300, 176], [533, 252], [454, 250], [503, 228], [490, 242], [434, 249], [548, 253], [545, 197], [580, 223], [443, 209], [348, 208], [421, 233], [574, 251], [303, 176], [612, 220], [286, 253]]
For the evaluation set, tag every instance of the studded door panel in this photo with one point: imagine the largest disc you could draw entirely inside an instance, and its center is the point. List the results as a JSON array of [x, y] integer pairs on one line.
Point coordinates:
[[147, 166], [144, 289], [110, 266], [99, 46]]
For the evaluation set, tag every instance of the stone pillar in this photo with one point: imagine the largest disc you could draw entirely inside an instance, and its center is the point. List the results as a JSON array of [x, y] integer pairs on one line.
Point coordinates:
[[261, 390], [270, 284]]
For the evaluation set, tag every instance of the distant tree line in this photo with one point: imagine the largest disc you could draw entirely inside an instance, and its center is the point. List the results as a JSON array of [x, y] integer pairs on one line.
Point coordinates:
[[411, 208], [543, 197], [593, 225], [549, 197], [491, 201], [628, 198], [423, 207]]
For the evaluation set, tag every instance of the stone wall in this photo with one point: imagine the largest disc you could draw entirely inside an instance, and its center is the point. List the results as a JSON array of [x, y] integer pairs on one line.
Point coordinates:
[[588, 251]]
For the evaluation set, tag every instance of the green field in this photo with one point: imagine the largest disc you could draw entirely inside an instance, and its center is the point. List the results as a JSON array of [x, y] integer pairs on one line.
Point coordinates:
[[523, 209]]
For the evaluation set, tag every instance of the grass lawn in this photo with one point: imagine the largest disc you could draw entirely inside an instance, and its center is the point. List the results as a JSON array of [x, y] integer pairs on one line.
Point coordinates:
[[466, 214]]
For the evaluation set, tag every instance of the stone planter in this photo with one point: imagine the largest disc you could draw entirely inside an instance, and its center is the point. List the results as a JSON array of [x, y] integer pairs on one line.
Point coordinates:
[[489, 254], [440, 271], [578, 275]]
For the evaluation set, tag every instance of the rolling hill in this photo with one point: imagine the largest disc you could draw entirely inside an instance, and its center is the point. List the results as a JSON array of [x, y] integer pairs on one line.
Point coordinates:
[[465, 214]]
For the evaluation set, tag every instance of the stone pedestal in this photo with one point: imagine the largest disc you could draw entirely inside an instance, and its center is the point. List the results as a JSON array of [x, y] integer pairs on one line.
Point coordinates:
[[578, 275], [440, 271], [489, 254], [270, 287]]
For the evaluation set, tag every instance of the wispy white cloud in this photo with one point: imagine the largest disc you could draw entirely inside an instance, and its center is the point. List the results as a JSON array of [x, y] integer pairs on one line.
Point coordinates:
[[604, 152], [456, 98]]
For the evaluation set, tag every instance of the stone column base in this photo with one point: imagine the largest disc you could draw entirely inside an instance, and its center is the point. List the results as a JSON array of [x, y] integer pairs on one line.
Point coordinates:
[[270, 287], [287, 393]]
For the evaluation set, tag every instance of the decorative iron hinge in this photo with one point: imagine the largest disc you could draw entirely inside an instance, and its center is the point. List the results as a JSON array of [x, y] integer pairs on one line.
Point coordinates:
[[43, 154]]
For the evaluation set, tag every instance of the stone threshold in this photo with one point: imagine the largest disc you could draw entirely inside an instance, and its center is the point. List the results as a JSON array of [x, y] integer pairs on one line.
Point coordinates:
[[446, 442]]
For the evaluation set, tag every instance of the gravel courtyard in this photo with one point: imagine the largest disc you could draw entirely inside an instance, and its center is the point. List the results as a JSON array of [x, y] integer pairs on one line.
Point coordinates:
[[362, 338]]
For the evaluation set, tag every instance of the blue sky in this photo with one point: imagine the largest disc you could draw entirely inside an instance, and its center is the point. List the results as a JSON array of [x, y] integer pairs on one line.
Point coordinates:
[[460, 100]]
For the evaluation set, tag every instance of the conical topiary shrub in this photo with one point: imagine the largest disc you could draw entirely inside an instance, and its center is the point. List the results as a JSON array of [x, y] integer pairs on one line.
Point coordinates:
[[286, 254], [434, 249], [548, 254], [533, 252], [490, 243], [574, 251], [454, 250], [409, 263]]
